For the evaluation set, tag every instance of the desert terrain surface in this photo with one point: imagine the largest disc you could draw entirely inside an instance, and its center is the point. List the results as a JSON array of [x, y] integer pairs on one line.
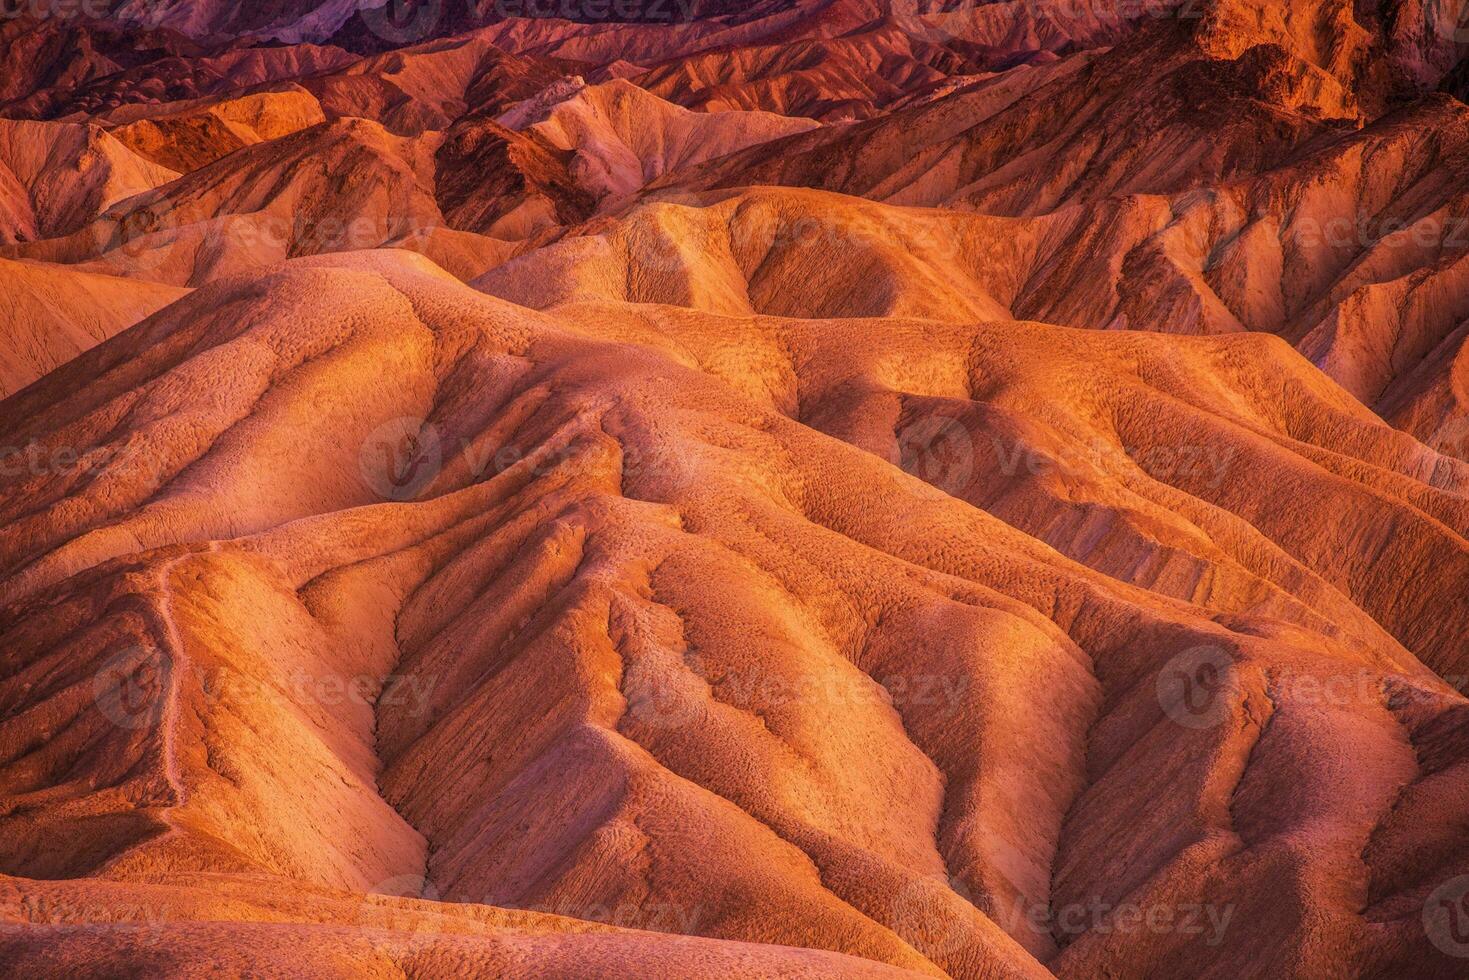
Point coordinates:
[[687, 488]]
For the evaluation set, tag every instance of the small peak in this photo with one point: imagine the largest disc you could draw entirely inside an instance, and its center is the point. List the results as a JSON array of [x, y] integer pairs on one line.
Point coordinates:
[[536, 108]]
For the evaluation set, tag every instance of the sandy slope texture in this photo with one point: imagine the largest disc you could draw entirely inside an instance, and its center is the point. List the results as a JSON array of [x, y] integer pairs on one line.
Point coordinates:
[[57, 177], [1010, 523], [620, 137], [603, 508], [49, 314], [337, 186], [187, 136]]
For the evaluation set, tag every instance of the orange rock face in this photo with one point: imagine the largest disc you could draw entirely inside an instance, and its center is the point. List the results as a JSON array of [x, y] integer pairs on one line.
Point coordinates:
[[795, 489]]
